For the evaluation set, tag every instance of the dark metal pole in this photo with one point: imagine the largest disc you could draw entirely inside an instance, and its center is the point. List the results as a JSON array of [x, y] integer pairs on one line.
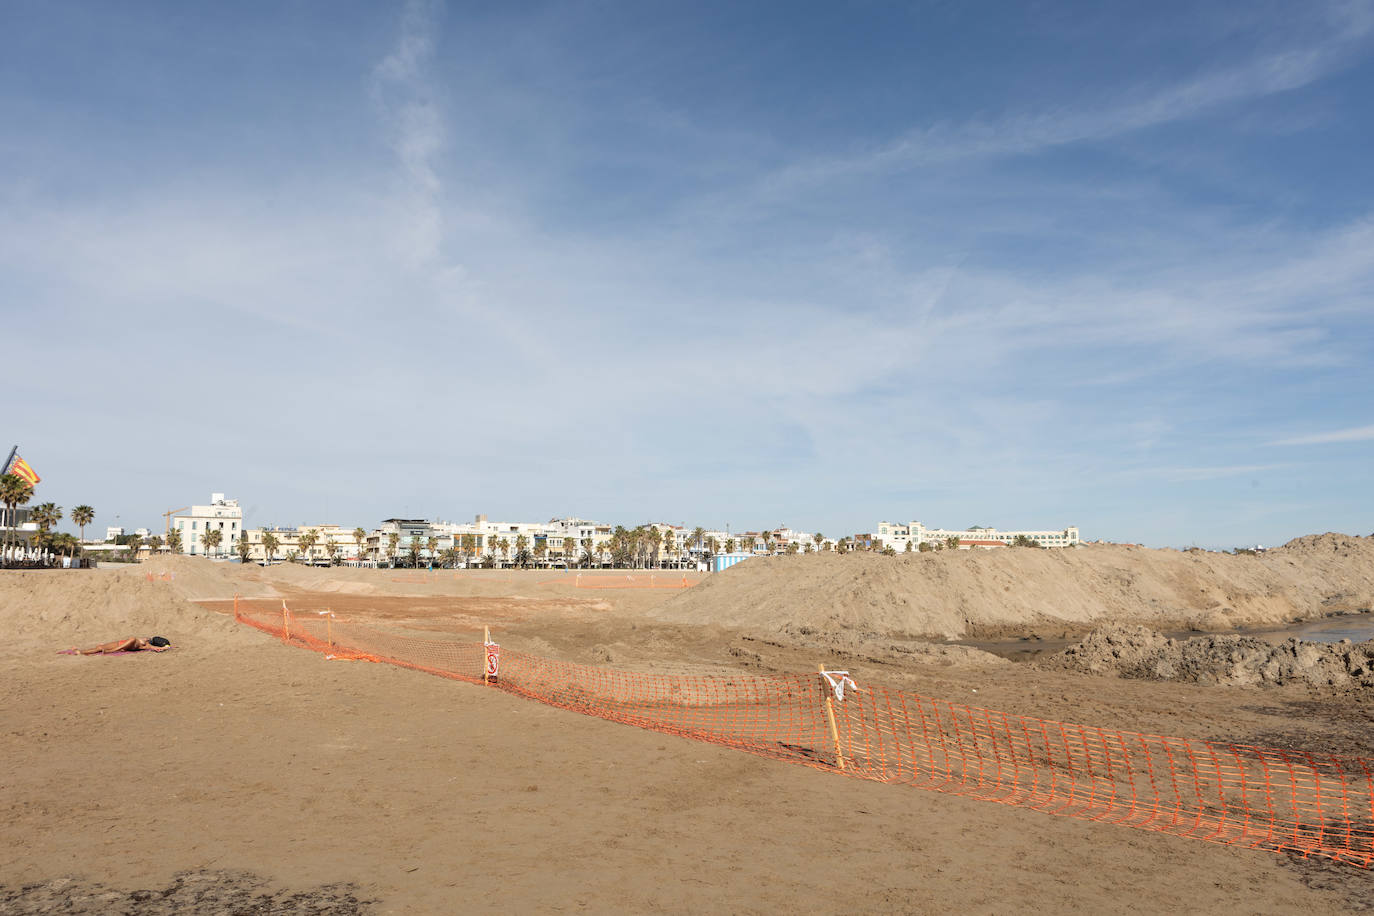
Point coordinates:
[[4, 552]]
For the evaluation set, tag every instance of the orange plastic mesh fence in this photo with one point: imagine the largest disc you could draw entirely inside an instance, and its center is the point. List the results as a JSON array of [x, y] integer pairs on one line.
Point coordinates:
[[1284, 801]]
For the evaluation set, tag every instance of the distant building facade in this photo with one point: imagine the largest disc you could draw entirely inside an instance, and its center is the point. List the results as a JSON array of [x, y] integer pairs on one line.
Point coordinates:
[[897, 536], [223, 515]]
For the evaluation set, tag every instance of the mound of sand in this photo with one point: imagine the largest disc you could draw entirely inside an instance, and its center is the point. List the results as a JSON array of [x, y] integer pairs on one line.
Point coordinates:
[[986, 593], [1227, 661], [50, 610]]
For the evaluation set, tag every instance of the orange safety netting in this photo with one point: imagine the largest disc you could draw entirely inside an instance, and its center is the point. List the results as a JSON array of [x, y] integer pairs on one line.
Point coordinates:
[[1284, 801]]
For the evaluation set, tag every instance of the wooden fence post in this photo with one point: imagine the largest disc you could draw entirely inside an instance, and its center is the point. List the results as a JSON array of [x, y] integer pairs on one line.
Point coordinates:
[[830, 715]]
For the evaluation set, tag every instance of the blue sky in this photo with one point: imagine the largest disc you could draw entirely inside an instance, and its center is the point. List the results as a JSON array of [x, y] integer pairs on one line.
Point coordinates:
[[1100, 264]]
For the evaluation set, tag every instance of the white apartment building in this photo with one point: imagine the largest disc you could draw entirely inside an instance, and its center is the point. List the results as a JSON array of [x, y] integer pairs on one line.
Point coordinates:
[[223, 515], [567, 536], [897, 536]]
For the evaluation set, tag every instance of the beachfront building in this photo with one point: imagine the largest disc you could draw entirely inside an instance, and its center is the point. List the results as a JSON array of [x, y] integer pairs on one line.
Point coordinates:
[[223, 515], [330, 542], [897, 536], [775, 540], [784, 538], [400, 532], [557, 542], [17, 530], [287, 543], [569, 538]]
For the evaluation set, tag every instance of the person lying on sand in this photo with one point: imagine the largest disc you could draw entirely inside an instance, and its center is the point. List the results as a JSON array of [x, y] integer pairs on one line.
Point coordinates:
[[132, 644]]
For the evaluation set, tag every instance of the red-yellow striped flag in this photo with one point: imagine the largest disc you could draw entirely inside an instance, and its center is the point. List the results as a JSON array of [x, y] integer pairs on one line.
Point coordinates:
[[21, 468]]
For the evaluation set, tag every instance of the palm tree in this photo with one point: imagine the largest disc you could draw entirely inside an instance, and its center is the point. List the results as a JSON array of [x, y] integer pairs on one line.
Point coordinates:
[[174, 541], [729, 545], [504, 544], [135, 542], [541, 549], [655, 540], [713, 545], [414, 551], [242, 546], [306, 543], [698, 536], [45, 516], [433, 544], [331, 547], [269, 546], [81, 517], [587, 551], [14, 491], [66, 543], [155, 543], [819, 539], [358, 535], [669, 542], [522, 544], [211, 539]]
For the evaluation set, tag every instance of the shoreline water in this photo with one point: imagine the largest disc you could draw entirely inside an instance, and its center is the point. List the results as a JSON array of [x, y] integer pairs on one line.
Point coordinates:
[[1356, 627]]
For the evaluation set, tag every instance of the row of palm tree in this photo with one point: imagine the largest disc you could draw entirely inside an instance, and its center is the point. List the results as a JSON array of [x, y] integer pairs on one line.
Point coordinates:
[[15, 491]]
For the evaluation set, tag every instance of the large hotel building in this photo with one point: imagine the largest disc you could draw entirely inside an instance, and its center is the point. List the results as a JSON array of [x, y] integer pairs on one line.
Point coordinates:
[[895, 535]]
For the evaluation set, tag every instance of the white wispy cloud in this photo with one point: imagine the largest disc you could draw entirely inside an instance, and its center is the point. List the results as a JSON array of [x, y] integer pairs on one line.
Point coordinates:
[[1019, 134], [1180, 475], [1354, 434], [404, 94]]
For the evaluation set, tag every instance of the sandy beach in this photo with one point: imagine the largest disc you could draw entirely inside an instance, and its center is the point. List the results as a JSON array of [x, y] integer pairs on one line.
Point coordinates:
[[235, 769]]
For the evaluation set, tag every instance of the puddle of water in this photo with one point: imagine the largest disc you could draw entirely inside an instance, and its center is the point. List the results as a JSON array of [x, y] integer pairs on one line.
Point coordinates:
[[1354, 627]]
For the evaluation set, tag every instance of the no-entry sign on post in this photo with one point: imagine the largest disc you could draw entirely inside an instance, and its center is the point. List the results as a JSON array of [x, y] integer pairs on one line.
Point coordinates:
[[493, 662]]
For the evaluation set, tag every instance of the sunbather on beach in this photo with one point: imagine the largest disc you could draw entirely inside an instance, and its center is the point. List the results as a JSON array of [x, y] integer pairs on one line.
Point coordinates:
[[132, 644]]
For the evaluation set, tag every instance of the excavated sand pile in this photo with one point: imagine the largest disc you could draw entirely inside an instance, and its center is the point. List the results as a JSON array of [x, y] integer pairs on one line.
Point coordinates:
[[1226, 661], [50, 610], [955, 594]]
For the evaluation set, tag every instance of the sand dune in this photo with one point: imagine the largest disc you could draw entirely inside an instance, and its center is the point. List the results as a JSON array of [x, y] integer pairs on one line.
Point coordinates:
[[955, 594]]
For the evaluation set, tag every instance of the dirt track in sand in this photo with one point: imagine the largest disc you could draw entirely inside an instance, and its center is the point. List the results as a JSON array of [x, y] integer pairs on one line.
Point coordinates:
[[302, 778]]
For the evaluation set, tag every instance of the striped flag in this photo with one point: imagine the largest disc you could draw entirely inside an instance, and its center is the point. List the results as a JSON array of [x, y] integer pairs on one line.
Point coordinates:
[[21, 468]]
